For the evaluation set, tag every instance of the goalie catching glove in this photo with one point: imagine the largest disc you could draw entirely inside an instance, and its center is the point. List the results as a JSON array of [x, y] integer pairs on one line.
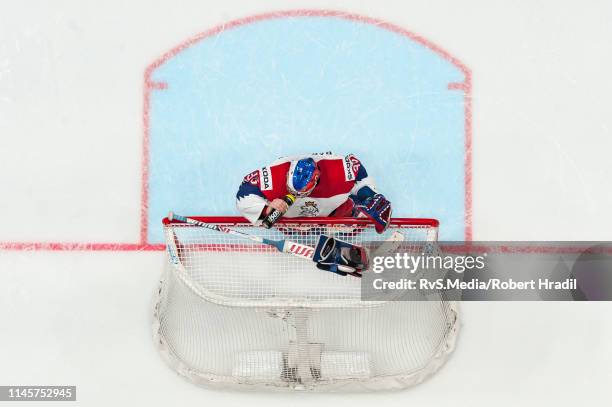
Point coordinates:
[[340, 257], [377, 208]]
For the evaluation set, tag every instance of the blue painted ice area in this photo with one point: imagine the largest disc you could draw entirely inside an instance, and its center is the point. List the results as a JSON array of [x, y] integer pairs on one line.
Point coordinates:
[[240, 99]]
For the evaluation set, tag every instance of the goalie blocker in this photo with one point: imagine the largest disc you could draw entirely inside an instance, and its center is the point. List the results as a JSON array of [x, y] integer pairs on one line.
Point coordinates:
[[340, 257]]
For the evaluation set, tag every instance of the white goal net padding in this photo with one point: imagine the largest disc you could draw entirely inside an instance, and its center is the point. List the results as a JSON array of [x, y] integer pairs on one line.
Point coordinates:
[[236, 313]]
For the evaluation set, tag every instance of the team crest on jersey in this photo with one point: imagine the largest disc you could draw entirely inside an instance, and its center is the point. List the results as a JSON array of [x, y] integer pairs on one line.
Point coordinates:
[[309, 209], [265, 179], [351, 167], [252, 178]]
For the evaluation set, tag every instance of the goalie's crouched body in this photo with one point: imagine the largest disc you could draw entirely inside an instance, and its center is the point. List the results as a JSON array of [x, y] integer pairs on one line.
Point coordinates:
[[317, 185]]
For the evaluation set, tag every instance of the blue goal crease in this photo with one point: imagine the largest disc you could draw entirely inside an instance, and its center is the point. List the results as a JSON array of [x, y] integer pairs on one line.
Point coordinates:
[[251, 94]]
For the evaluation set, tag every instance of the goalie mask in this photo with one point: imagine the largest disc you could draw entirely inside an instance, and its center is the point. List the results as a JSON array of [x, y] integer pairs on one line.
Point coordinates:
[[303, 177]]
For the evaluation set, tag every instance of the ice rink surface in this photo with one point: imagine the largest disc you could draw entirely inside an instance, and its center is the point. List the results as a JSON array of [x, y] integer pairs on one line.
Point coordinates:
[[71, 140]]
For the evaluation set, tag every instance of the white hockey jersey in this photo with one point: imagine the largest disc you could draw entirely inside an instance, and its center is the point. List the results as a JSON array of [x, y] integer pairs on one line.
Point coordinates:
[[341, 176]]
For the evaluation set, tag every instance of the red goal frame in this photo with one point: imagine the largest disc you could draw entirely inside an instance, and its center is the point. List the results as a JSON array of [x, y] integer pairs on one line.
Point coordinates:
[[235, 220]]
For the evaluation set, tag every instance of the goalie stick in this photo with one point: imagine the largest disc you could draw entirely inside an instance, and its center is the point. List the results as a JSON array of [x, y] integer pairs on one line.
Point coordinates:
[[287, 246], [283, 246]]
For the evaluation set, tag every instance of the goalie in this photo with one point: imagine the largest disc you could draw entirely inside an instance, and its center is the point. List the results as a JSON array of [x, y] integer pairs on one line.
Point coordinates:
[[317, 185]]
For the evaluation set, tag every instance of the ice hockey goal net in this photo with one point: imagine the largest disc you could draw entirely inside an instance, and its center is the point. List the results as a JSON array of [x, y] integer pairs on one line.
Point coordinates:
[[233, 312]]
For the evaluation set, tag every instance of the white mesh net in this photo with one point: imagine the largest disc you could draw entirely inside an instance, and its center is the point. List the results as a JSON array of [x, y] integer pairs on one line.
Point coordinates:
[[235, 312]]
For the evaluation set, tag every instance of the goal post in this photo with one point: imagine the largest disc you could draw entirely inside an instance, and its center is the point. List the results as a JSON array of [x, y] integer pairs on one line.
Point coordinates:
[[232, 312]]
